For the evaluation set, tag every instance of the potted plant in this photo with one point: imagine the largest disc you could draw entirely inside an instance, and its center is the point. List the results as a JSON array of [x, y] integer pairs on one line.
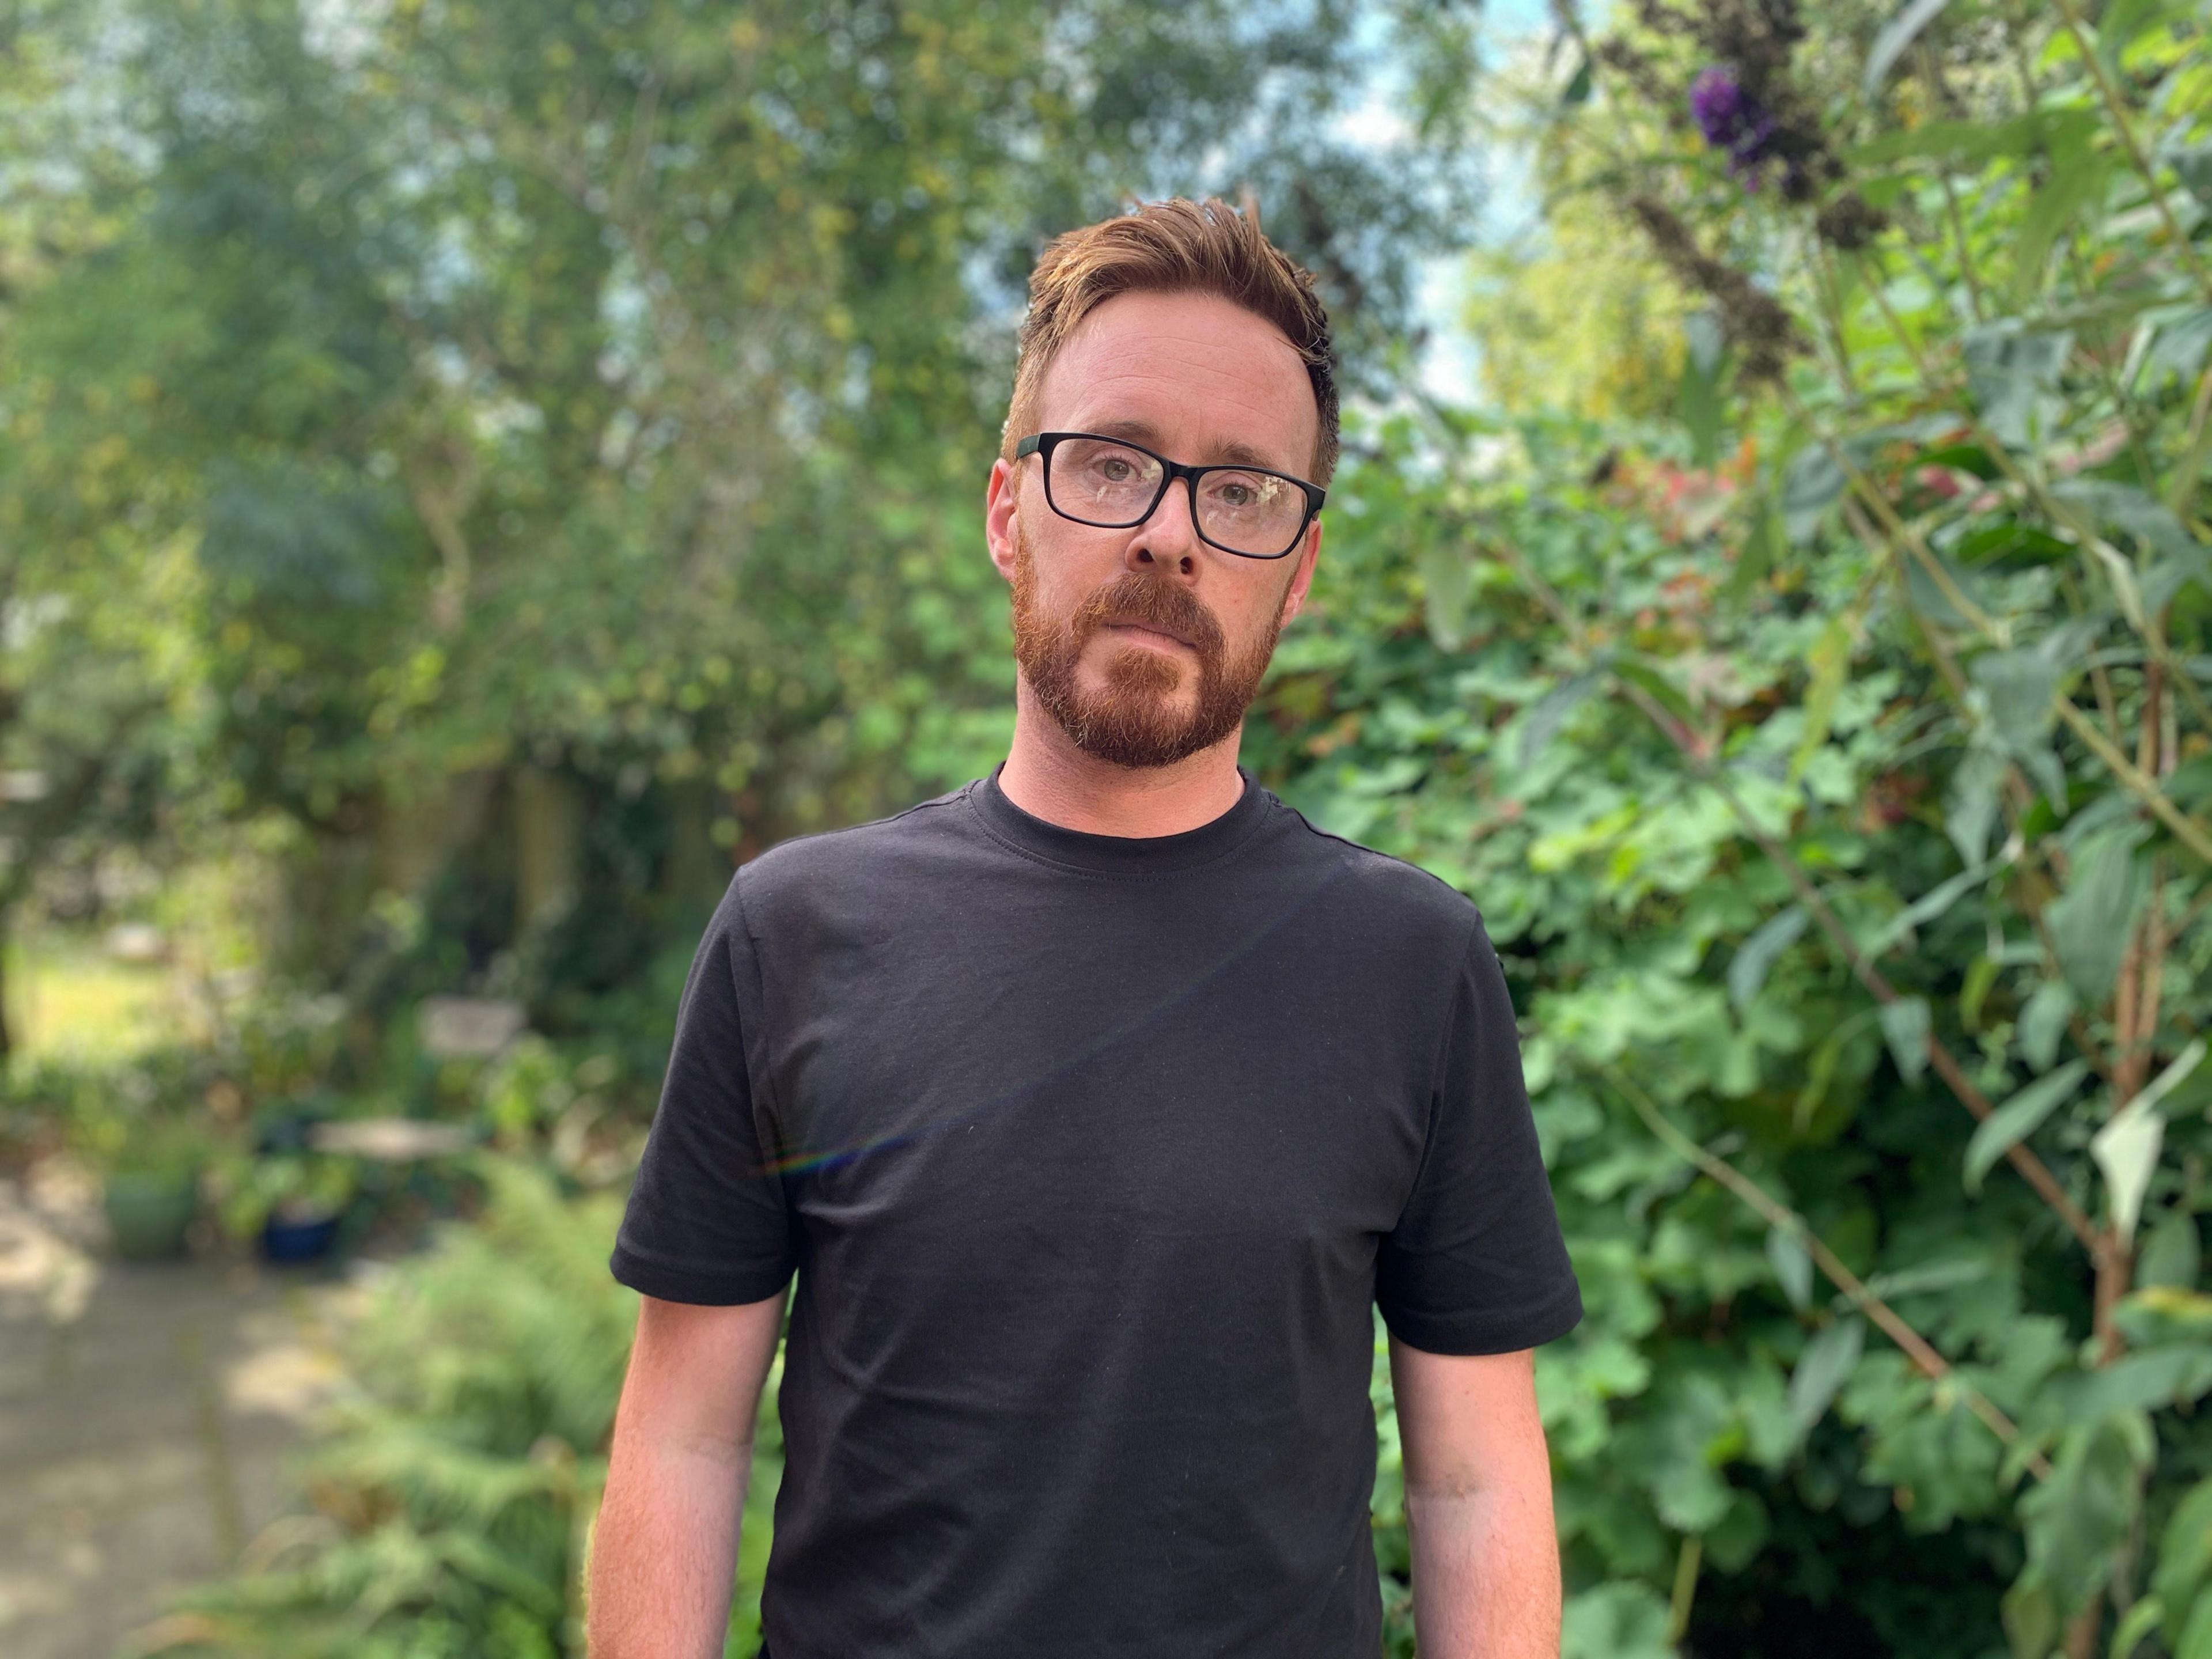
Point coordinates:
[[151, 1188], [292, 1200]]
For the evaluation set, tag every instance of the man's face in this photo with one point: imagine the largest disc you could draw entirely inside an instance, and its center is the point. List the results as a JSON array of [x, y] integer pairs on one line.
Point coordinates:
[[1147, 645]]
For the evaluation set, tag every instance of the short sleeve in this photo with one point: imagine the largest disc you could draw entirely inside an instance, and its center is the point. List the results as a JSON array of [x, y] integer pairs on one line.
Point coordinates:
[[1476, 1263], [706, 1220]]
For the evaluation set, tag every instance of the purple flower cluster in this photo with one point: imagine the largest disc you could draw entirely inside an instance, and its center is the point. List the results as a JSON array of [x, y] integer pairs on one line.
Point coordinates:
[[1732, 120]]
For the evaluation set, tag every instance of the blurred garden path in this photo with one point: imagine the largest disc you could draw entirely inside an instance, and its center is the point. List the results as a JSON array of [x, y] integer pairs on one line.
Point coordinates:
[[145, 1411]]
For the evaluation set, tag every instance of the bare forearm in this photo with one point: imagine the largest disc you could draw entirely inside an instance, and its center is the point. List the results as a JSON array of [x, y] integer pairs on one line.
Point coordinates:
[[1486, 1573], [664, 1550]]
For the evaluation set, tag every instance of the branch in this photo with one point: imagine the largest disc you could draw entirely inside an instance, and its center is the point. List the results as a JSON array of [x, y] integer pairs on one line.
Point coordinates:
[[2186, 830], [1779, 1215], [2031, 1169], [2190, 833], [1947, 388], [2117, 108]]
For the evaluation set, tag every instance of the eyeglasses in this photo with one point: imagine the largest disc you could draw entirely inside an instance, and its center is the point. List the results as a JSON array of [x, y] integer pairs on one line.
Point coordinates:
[[1112, 484]]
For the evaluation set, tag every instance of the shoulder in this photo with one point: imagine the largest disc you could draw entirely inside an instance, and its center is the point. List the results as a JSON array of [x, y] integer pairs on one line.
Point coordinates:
[[1391, 893], [806, 868]]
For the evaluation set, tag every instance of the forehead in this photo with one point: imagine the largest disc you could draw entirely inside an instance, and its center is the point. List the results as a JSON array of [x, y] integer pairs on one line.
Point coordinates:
[[1194, 375]]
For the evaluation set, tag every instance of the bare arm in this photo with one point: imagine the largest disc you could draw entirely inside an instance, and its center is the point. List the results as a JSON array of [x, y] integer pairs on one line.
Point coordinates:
[[664, 1548], [1478, 1505]]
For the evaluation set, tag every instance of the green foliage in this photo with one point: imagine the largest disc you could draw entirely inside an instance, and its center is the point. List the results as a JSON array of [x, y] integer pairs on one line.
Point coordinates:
[[1817, 706], [455, 1483], [1866, 852]]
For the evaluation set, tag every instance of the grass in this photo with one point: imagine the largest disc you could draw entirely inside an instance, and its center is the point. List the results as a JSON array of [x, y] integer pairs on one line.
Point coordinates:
[[67, 997]]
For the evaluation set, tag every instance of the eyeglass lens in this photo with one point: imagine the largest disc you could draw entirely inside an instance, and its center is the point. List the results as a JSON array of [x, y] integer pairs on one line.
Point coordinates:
[[1109, 484]]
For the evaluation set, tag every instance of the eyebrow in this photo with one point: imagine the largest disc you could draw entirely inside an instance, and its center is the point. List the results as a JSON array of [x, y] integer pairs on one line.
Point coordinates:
[[1231, 452]]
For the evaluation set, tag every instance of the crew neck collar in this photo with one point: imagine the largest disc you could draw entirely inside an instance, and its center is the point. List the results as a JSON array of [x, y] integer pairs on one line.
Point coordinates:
[[1125, 855]]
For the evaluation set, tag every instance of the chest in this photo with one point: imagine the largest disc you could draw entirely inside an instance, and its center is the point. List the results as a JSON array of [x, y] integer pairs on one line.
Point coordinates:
[[970, 1091]]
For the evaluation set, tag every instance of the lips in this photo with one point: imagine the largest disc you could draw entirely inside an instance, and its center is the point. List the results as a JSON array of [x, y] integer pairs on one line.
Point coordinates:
[[1152, 627]]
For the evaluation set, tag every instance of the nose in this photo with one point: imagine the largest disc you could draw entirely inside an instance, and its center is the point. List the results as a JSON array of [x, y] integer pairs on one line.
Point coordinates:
[[1168, 538]]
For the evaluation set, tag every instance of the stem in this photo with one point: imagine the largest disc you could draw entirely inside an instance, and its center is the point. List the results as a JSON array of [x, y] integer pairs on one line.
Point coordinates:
[[1930, 72], [1828, 286], [2182, 493], [2186, 830], [1686, 1587], [2101, 681], [1779, 1215], [2117, 108]]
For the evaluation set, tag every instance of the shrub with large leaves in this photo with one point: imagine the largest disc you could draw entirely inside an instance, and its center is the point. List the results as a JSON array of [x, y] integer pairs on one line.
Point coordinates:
[[1833, 766]]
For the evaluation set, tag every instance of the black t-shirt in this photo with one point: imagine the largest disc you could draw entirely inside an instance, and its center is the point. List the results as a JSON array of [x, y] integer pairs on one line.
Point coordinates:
[[1092, 1155]]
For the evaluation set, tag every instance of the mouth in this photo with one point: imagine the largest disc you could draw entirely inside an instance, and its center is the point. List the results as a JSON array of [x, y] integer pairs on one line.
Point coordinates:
[[1149, 633]]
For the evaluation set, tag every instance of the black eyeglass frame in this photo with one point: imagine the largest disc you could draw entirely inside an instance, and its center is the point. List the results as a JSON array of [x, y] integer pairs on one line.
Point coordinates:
[[1042, 444]]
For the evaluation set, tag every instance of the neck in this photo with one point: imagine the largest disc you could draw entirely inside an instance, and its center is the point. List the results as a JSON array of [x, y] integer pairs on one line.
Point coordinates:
[[1049, 778]]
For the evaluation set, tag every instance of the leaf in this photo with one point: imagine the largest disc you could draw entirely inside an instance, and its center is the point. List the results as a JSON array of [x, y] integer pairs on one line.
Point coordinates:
[[1905, 1026], [2073, 186], [1823, 1369], [2172, 1251], [1811, 484], [2123, 21], [2150, 1380], [2173, 1076], [2179, 346], [2091, 921], [2126, 1150], [2020, 686], [2185, 1556], [1577, 89], [2043, 1023], [1976, 141], [1792, 1264], [2143, 1619], [1621, 1619], [1895, 37], [1970, 804], [2019, 1118], [1551, 712], [2030, 1615], [1932, 600], [1831, 661], [2135, 512], [1979, 978], [2192, 165], [1707, 342], [1643, 672], [1761, 541], [2012, 372], [1755, 956], [1447, 578], [1928, 907], [2078, 1519], [1821, 1071], [2196, 1635]]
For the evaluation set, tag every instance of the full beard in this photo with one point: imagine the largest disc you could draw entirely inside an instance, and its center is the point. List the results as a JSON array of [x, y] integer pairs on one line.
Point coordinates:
[[1136, 720]]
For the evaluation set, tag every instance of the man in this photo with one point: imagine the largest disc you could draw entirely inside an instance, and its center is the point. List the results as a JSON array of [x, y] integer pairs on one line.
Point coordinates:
[[1097, 1105]]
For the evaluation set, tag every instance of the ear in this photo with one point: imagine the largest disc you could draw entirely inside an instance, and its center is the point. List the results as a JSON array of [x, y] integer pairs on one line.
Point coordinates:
[[1001, 500], [1294, 595]]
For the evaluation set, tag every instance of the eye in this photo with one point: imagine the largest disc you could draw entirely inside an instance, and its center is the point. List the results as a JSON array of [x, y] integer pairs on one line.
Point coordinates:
[[1238, 492]]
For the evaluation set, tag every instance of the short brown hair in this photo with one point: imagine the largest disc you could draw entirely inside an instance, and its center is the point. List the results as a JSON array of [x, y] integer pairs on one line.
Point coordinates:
[[1172, 247]]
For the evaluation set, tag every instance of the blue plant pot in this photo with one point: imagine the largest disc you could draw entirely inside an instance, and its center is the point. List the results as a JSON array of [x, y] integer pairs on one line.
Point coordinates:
[[298, 1241]]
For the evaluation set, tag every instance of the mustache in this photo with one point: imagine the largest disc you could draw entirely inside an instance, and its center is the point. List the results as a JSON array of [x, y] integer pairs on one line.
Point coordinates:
[[1148, 599]]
